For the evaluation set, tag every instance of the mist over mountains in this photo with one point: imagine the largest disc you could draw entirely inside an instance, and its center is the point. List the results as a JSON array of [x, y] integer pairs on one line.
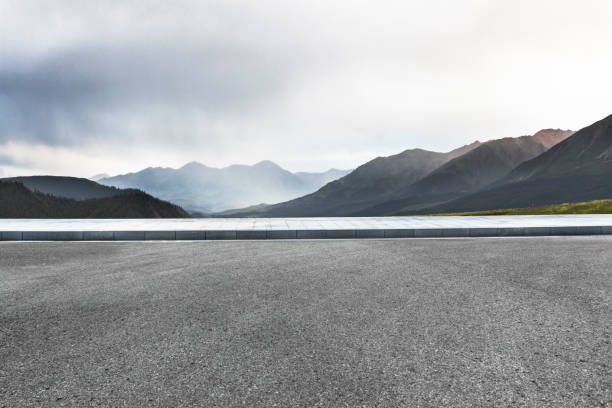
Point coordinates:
[[415, 180], [550, 167], [199, 188], [99, 89], [371, 183]]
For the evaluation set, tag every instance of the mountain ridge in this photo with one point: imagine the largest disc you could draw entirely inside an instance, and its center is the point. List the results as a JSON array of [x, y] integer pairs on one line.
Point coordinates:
[[203, 189], [18, 201], [474, 170], [367, 185], [64, 186], [576, 169], [379, 187]]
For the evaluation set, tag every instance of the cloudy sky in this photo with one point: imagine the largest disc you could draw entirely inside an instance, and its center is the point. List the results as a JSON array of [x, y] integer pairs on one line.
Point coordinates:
[[115, 86]]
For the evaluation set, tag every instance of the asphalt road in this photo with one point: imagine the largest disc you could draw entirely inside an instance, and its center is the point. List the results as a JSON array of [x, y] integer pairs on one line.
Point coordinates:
[[416, 323]]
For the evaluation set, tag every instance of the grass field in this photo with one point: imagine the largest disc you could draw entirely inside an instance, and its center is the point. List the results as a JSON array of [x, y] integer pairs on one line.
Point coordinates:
[[588, 207]]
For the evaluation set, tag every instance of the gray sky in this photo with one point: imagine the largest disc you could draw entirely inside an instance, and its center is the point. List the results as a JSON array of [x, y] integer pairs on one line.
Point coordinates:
[[116, 86]]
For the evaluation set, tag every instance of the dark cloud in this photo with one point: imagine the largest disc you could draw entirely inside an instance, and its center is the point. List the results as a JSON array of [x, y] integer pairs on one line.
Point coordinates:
[[111, 85], [64, 98]]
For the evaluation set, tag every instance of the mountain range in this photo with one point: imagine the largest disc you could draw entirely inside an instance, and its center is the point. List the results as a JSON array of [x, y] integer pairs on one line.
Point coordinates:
[[203, 189], [578, 169], [369, 184], [471, 172], [19, 201], [416, 179], [550, 167]]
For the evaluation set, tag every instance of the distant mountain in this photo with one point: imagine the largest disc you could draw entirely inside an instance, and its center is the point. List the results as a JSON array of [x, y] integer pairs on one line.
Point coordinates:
[[577, 169], [70, 187], [99, 176], [199, 188], [415, 179], [320, 179], [472, 171], [372, 183], [18, 201]]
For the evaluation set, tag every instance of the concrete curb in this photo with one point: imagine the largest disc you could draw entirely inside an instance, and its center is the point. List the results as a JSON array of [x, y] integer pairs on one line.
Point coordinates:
[[299, 234]]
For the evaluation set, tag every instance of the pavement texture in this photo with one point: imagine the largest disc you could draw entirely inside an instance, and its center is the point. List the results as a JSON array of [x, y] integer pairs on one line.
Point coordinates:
[[413, 322]]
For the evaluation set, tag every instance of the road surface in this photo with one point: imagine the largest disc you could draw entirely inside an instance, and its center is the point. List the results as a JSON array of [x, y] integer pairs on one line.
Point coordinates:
[[374, 323]]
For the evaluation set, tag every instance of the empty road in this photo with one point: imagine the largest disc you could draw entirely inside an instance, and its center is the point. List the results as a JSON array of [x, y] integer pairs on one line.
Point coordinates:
[[373, 323]]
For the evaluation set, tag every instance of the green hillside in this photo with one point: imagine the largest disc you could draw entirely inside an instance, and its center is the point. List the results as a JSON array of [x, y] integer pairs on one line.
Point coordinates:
[[587, 207]]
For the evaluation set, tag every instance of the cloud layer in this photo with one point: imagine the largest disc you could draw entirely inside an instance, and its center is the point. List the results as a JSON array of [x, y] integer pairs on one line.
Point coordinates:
[[117, 86]]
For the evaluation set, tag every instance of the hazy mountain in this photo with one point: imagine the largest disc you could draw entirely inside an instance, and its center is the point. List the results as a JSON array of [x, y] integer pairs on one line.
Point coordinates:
[[320, 179], [577, 169], [416, 179], [17, 201], [374, 182], [70, 187], [472, 171], [197, 187], [99, 176]]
